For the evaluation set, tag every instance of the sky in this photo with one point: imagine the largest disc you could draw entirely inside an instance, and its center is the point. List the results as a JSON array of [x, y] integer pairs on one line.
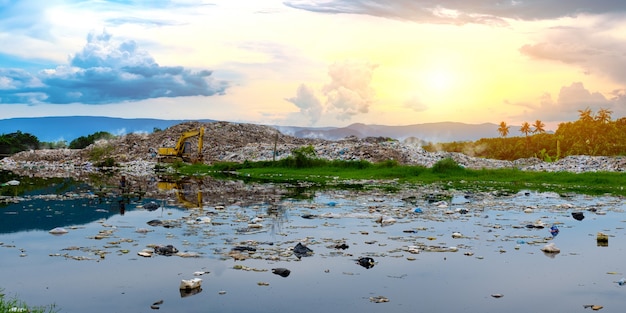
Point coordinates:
[[314, 63]]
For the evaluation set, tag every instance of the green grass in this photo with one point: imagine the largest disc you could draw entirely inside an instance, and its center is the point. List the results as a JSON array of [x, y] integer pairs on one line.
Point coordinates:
[[15, 305], [446, 173]]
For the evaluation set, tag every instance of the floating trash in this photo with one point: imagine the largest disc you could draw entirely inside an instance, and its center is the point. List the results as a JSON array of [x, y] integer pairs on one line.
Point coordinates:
[[151, 206], [497, 295], [554, 230], [418, 210], [342, 246], [190, 283], [602, 239], [301, 250], [379, 299], [165, 250], [366, 262], [550, 248], [579, 216], [281, 271], [58, 231]]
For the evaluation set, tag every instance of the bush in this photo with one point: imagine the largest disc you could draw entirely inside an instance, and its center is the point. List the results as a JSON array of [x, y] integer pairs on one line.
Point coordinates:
[[447, 165]]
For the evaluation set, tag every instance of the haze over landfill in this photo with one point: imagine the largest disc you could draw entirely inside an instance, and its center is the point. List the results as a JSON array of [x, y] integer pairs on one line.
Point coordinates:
[[314, 63]]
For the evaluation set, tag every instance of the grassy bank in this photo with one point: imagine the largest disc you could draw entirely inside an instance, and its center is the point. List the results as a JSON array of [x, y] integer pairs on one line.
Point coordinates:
[[12, 304], [446, 173]]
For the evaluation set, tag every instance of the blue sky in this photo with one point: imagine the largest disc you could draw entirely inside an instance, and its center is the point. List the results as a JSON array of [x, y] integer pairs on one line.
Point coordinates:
[[314, 63]]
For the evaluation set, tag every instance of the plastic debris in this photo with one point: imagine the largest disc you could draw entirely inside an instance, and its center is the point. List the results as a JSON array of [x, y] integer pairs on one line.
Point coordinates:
[[554, 230], [621, 282], [282, 272], [579, 216], [165, 250], [301, 250], [550, 248], [366, 262], [602, 239], [418, 210], [58, 231], [190, 283]]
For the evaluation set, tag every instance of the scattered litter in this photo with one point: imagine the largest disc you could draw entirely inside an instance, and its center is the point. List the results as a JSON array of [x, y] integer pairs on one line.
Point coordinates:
[[58, 231], [379, 299], [190, 283], [283, 272], [366, 262], [550, 248], [579, 216], [301, 250], [554, 230]]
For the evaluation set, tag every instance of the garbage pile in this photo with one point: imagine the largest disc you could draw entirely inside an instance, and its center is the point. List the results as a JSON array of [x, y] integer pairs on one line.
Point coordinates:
[[235, 142]]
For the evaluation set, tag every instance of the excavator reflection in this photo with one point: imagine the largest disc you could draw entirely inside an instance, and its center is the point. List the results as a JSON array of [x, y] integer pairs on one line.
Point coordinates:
[[184, 188]]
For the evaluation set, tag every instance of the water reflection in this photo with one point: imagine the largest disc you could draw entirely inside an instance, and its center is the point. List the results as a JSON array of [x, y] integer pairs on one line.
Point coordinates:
[[415, 262]]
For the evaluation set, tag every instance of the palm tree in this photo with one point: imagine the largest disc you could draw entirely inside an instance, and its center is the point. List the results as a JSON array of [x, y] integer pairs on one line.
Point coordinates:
[[539, 127], [585, 115], [503, 129], [604, 116], [525, 128]]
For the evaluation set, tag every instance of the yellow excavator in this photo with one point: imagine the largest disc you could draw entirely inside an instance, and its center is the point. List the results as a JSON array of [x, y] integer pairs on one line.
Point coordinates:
[[182, 150]]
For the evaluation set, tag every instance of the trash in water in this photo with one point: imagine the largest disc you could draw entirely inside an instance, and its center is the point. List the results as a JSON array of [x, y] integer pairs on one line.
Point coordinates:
[[417, 210], [579, 216], [602, 239], [550, 248], [58, 231], [301, 250], [554, 230], [190, 283], [165, 250], [283, 272], [151, 206], [366, 262], [621, 282]]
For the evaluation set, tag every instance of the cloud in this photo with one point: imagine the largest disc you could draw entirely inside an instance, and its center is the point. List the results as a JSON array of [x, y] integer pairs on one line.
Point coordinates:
[[593, 49], [349, 92], [308, 103], [106, 72], [571, 99], [494, 12]]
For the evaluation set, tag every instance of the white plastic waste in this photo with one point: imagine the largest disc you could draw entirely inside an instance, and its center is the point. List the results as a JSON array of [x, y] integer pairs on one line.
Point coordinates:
[[190, 283]]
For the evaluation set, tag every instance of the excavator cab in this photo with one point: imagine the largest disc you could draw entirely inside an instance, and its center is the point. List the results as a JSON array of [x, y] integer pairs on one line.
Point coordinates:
[[183, 150]]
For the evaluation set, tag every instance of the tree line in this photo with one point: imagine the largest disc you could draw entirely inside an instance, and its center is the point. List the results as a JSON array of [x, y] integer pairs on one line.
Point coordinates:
[[16, 142], [592, 134]]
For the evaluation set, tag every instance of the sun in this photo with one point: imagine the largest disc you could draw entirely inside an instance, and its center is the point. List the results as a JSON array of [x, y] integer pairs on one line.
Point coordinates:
[[438, 80]]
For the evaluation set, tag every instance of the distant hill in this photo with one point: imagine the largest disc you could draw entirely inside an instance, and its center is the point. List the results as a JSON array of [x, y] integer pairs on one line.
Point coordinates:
[[432, 132], [68, 128]]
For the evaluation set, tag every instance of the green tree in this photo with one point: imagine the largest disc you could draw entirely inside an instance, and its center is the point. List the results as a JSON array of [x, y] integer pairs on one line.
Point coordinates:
[[84, 141]]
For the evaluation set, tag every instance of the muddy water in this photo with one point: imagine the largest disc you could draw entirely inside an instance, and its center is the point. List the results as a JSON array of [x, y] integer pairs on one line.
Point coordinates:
[[454, 256]]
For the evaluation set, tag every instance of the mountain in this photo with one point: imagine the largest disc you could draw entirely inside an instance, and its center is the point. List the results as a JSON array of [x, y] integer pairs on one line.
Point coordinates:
[[68, 128], [432, 132]]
